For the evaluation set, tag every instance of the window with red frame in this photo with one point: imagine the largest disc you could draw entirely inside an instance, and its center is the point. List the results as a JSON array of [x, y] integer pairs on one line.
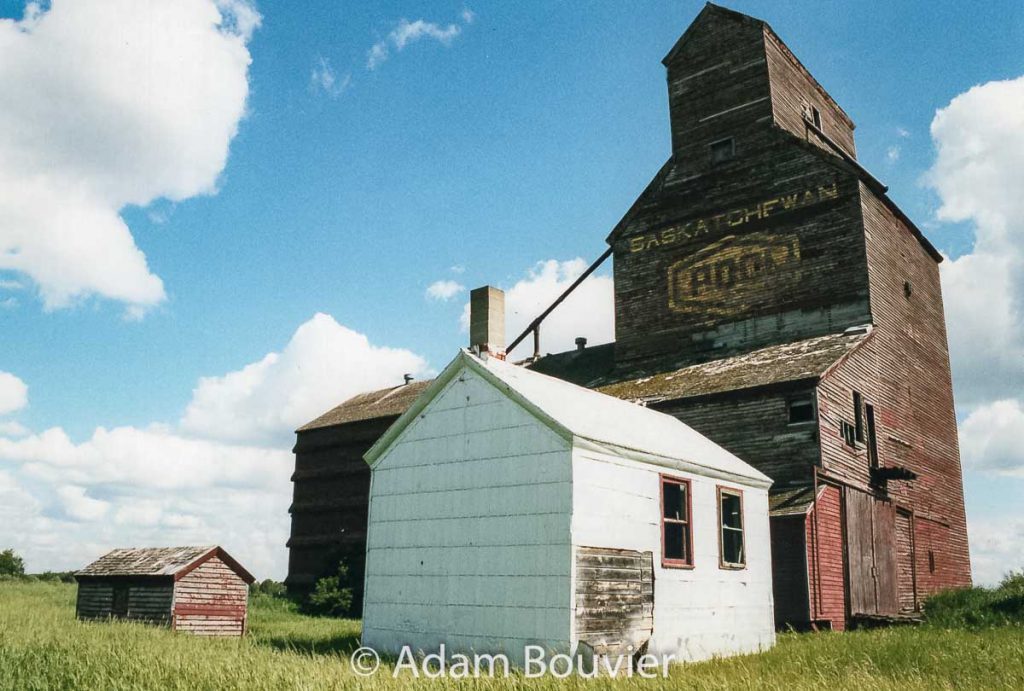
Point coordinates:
[[676, 537]]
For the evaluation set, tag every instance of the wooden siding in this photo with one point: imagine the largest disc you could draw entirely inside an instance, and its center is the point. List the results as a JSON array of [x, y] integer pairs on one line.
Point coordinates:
[[793, 87], [145, 600], [825, 559], [755, 426], [614, 599], [469, 529], [329, 501], [211, 600]]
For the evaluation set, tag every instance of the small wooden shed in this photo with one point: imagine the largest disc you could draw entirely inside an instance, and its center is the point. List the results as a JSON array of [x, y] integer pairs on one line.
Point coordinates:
[[202, 590], [509, 508]]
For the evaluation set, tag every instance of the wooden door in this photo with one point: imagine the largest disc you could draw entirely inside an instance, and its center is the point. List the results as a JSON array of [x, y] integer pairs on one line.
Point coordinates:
[[871, 554], [119, 601], [859, 552], [905, 564]]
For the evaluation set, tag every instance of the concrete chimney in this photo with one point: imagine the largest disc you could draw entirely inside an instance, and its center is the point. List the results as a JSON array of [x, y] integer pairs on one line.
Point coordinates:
[[487, 320]]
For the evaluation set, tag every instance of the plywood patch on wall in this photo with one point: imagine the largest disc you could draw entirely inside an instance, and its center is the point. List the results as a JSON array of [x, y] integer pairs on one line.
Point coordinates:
[[614, 599]]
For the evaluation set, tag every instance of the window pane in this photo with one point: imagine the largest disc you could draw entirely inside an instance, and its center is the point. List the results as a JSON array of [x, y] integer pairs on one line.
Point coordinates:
[[731, 516], [674, 500], [675, 541], [732, 546], [801, 411]]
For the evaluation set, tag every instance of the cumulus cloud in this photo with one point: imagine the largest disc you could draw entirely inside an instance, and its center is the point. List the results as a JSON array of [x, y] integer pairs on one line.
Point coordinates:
[[997, 547], [111, 103], [323, 364], [406, 33], [990, 438], [979, 139], [589, 311], [444, 290], [324, 79], [13, 393], [78, 505], [221, 474]]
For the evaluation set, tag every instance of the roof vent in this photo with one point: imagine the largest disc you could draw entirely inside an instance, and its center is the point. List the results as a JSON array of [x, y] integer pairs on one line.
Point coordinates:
[[408, 378], [581, 343]]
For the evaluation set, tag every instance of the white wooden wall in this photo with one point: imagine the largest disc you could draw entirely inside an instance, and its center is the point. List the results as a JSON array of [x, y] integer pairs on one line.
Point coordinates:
[[701, 612], [468, 541]]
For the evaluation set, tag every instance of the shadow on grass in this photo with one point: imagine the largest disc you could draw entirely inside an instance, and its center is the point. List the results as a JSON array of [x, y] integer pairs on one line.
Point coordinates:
[[341, 644]]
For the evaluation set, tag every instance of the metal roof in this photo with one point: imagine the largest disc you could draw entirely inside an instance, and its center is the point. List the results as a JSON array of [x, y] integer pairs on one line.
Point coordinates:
[[616, 426]]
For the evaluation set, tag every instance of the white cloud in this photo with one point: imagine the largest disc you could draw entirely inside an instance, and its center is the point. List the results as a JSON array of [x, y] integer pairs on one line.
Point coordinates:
[[79, 506], [111, 103], [892, 154], [589, 311], [219, 476], [324, 78], [444, 290], [990, 438], [323, 364], [997, 547], [406, 33], [979, 137], [12, 429], [13, 393]]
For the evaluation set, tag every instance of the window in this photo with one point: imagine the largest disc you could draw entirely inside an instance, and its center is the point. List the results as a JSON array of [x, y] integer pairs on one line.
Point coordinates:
[[722, 150], [801, 411], [676, 530], [849, 433], [869, 413], [858, 416], [816, 117], [931, 561], [730, 515]]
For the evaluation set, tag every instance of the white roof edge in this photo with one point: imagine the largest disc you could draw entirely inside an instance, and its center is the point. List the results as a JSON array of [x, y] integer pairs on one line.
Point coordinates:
[[760, 480], [493, 374]]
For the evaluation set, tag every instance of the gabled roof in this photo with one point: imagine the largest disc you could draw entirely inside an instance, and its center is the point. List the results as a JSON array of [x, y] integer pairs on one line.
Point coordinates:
[[159, 561], [588, 417], [370, 406], [776, 364]]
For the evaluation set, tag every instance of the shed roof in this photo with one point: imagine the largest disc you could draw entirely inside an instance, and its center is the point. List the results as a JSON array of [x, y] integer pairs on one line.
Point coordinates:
[[582, 414], [159, 561], [786, 362], [370, 405], [792, 501]]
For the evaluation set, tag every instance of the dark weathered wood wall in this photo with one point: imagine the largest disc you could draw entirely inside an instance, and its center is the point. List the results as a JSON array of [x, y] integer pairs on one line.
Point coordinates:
[[147, 599], [330, 500], [763, 248], [754, 425]]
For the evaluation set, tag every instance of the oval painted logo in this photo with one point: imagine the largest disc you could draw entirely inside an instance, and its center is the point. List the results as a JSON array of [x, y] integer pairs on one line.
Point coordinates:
[[714, 281]]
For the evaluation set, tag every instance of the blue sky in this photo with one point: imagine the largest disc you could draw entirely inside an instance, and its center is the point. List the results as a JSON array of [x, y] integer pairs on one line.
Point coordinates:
[[521, 138]]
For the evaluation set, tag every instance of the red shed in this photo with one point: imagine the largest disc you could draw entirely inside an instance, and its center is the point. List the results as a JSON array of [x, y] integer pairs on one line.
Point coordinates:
[[202, 590]]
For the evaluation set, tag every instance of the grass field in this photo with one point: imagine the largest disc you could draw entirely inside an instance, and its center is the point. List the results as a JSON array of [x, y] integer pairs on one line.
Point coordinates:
[[42, 646]]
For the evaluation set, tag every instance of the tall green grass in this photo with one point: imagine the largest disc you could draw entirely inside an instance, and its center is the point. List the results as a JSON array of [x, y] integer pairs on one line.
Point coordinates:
[[42, 646]]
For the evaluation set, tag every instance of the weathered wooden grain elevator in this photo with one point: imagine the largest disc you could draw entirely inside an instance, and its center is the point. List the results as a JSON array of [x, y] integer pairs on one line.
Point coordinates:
[[769, 294]]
